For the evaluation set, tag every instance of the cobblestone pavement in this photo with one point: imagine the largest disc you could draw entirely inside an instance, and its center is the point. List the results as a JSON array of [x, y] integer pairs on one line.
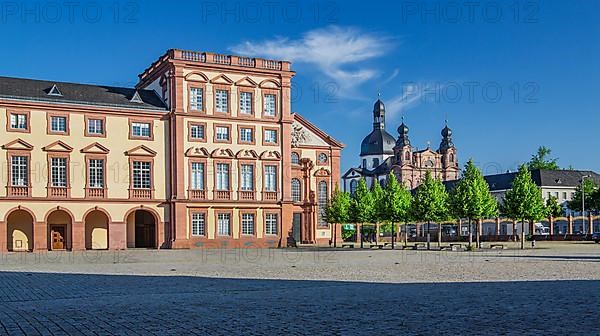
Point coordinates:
[[172, 293]]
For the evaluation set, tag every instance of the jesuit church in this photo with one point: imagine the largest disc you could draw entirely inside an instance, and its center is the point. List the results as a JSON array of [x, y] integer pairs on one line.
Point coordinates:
[[380, 153]]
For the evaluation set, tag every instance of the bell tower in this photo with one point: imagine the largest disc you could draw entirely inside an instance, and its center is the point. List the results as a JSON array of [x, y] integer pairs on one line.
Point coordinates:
[[403, 149]]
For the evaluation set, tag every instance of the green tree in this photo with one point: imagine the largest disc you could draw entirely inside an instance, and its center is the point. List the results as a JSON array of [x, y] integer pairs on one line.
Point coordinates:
[[591, 189], [362, 206], [523, 202], [337, 211], [471, 199], [396, 203], [542, 160], [553, 208], [379, 208], [430, 203]]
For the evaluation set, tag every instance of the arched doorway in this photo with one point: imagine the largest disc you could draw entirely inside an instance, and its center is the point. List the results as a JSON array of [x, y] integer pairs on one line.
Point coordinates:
[[141, 229], [59, 225], [96, 230], [19, 228]]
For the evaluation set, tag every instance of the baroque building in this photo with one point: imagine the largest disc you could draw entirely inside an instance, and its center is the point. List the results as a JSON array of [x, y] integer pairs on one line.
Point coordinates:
[[203, 151], [381, 153]]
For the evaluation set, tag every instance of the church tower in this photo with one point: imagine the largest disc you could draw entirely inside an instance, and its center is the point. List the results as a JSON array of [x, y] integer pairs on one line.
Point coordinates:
[[378, 145], [403, 149], [448, 151]]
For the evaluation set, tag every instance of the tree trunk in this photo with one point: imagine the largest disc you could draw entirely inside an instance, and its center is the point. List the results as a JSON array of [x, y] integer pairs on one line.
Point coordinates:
[[439, 234], [522, 234], [361, 237], [405, 235], [393, 235], [428, 236], [470, 234], [334, 235], [478, 232]]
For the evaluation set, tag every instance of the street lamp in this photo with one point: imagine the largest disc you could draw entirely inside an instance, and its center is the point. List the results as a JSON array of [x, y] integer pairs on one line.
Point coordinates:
[[583, 202]]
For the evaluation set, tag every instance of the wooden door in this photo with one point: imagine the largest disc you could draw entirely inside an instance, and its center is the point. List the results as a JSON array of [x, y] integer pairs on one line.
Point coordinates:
[[58, 237]]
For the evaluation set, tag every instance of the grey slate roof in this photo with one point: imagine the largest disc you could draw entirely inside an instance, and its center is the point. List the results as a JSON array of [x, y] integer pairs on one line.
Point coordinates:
[[100, 95], [541, 177]]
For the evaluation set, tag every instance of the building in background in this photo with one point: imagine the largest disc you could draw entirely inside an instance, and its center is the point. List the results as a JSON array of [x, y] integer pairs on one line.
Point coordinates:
[[381, 154], [203, 151]]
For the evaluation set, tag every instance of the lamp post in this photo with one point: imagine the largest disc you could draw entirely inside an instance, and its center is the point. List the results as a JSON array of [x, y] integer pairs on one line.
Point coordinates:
[[583, 202]]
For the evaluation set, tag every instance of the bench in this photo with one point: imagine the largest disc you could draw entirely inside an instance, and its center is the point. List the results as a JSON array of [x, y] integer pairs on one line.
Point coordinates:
[[349, 245], [379, 246], [500, 246], [456, 247], [446, 247], [417, 245]]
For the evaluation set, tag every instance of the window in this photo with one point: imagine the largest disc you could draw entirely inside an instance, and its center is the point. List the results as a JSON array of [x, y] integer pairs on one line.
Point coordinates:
[[375, 162], [364, 163], [196, 99], [96, 173], [271, 224], [247, 177], [270, 178], [197, 175], [19, 171], [58, 124], [296, 192], [247, 224], [140, 130], [58, 172], [18, 121], [222, 133], [322, 199], [198, 224], [407, 156], [221, 101], [246, 135], [246, 103], [223, 221], [95, 126], [564, 195], [322, 158], [295, 158], [222, 176], [353, 186], [271, 136], [269, 106], [141, 175], [197, 132]]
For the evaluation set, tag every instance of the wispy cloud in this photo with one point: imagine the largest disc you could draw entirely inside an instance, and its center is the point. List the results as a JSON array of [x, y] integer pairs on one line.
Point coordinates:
[[339, 52], [412, 94]]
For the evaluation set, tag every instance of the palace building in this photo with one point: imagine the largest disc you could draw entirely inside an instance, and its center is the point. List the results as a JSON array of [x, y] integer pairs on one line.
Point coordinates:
[[203, 151], [381, 153]]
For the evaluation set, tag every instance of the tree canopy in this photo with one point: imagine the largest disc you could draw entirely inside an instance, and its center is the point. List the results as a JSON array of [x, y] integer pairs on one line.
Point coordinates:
[[524, 201], [338, 207], [542, 160], [362, 204], [553, 208], [396, 202], [430, 202], [471, 196], [379, 211], [592, 196]]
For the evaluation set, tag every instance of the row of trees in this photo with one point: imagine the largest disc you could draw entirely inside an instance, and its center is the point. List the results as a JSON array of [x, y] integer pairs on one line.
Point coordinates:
[[469, 199]]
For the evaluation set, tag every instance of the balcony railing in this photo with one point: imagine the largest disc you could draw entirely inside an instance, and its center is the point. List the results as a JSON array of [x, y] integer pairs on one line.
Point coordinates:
[[222, 194], [95, 192], [18, 191], [197, 194], [270, 196], [247, 195], [247, 62], [58, 192], [141, 193]]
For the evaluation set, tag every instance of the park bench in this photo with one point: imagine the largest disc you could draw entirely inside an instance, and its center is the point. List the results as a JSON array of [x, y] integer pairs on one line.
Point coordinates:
[[445, 247], [349, 245], [456, 247], [417, 245], [379, 246], [500, 246]]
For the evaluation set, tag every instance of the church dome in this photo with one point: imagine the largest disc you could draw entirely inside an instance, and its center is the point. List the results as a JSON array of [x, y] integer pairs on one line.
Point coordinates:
[[446, 132], [378, 142]]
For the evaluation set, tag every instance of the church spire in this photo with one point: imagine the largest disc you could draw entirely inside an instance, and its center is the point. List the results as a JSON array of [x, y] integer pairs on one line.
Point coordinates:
[[379, 114], [446, 138]]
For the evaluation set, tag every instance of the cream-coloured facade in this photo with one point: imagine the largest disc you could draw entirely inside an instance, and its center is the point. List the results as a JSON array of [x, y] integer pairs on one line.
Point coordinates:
[[204, 151]]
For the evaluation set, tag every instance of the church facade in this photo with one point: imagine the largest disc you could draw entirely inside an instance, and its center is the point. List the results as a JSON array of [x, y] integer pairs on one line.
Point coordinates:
[[381, 153]]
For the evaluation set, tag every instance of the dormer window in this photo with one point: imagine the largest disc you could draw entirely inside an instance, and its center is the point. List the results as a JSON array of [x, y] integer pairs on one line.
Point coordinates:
[[136, 98], [54, 91]]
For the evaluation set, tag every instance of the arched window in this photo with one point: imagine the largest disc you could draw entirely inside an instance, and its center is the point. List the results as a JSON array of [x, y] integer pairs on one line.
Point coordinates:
[[407, 156], [364, 164], [451, 157], [322, 199], [295, 158], [296, 191], [353, 186], [375, 162]]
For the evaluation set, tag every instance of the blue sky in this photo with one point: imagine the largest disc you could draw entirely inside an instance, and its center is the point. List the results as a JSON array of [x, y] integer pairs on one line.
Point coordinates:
[[430, 61]]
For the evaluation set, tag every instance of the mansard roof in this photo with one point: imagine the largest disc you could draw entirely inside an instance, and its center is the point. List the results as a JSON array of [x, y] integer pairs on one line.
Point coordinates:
[[75, 93]]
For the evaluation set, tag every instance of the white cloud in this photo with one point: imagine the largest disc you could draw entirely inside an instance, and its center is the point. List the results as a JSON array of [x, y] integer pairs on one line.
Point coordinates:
[[338, 52], [412, 94]]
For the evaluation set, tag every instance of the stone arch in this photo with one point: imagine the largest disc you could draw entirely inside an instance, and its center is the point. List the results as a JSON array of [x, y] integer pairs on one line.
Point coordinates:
[[142, 227], [59, 228], [19, 229], [96, 224]]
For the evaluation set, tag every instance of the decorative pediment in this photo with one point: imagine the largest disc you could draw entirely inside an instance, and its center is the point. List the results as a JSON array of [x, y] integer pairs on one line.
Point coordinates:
[[270, 155], [269, 84], [197, 152], [140, 151], [58, 146], [222, 153], [247, 154], [246, 81], [18, 144], [196, 76], [95, 148], [322, 173], [221, 79]]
